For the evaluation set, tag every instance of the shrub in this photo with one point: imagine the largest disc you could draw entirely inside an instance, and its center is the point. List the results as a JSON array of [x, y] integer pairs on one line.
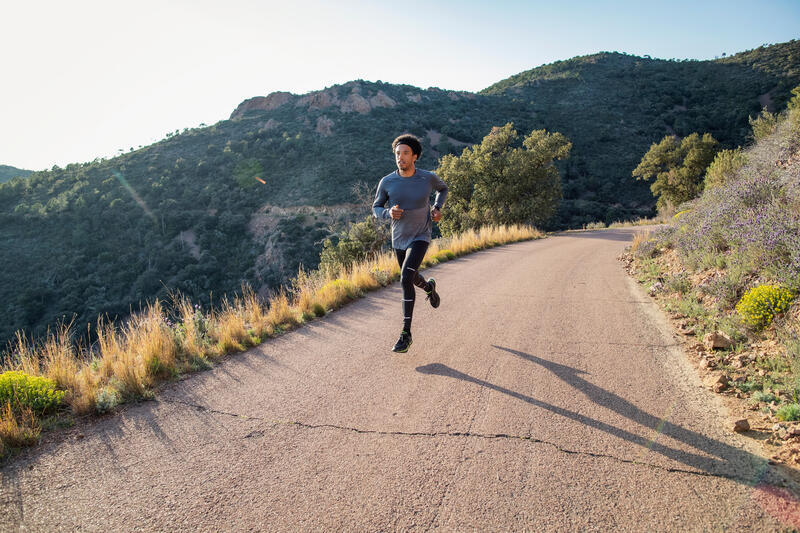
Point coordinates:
[[766, 397], [759, 305], [764, 124], [22, 391], [724, 165], [18, 429], [788, 412], [444, 255], [107, 399]]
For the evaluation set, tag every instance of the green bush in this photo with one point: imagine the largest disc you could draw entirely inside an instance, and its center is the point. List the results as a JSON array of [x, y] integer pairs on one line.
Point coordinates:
[[759, 305], [444, 255], [107, 399], [21, 390], [724, 165], [788, 412]]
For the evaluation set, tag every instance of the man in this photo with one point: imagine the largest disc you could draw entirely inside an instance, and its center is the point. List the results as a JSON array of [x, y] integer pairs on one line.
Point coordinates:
[[407, 190]]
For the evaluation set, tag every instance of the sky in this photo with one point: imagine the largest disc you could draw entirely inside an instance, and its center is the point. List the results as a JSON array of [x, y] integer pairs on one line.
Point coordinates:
[[88, 78]]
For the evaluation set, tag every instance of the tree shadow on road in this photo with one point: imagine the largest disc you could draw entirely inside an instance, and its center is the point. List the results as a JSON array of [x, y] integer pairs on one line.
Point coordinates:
[[715, 458]]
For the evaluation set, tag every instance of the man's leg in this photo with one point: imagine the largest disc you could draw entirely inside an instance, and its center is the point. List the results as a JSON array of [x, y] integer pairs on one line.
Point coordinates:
[[409, 261], [409, 276]]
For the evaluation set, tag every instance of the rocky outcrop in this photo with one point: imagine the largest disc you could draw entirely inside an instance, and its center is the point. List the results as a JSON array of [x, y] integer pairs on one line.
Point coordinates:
[[318, 100], [324, 126], [262, 103], [381, 100], [359, 99]]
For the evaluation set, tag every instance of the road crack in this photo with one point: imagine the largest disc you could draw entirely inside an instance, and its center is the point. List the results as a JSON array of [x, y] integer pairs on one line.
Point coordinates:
[[454, 434]]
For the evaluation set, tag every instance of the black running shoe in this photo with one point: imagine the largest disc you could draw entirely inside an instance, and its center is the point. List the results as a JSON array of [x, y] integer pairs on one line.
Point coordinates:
[[403, 343], [433, 296]]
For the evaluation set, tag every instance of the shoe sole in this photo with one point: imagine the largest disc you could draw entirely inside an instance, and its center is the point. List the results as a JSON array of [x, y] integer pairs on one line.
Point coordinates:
[[430, 299], [403, 351]]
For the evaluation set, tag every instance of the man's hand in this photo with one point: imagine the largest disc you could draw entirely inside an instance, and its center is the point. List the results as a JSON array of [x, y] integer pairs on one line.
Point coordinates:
[[395, 212], [436, 215]]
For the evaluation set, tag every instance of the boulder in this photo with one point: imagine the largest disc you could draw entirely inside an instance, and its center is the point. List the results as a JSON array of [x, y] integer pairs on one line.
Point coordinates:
[[717, 341], [742, 425]]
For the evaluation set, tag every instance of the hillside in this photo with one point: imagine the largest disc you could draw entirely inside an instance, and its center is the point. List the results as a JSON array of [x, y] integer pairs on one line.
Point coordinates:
[[7, 172], [727, 270], [188, 213], [614, 106]]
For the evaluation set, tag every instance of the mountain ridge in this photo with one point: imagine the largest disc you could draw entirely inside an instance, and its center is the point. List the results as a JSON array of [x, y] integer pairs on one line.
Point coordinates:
[[8, 172]]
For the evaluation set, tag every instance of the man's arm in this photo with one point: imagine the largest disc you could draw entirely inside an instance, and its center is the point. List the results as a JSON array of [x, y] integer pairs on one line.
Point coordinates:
[[441, 191], [378, 206], [441, 195]]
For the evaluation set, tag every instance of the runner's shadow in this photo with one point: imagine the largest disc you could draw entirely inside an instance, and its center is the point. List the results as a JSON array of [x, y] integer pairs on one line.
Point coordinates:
[[727, 463], [620, 405]]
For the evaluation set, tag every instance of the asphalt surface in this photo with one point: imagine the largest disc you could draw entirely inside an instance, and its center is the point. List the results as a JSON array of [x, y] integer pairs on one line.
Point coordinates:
[[545, 394]]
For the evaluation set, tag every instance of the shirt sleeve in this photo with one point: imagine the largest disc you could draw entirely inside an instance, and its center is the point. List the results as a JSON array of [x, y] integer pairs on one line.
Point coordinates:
[[378, 206], [441, 191]]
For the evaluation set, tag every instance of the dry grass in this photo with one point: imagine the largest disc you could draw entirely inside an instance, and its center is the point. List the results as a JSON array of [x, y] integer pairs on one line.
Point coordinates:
[[130, 359], [656, 220], [639, 237], [18, 430], [228, 329]]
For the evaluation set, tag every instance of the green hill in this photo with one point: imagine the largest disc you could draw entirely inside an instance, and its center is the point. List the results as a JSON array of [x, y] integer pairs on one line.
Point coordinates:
[[614, 106], [8, 172], [189, 213]]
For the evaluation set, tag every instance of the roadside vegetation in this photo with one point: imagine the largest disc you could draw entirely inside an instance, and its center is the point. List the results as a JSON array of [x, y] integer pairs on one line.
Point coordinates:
[[45, 383], [727, 268]]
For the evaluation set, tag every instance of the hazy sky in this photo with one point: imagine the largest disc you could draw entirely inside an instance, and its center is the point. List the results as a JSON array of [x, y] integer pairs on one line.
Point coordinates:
[[85, 78]]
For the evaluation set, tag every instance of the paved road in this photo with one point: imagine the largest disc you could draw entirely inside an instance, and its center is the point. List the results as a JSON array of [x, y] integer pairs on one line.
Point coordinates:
[[545, 393]]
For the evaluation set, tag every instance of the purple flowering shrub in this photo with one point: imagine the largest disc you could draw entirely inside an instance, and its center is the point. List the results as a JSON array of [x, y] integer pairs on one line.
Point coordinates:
[[749, 227]]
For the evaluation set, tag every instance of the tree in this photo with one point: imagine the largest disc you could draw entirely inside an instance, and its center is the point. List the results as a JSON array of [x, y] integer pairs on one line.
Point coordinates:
[[358, 242], [678, 167], [763, 124], [725, 164], [496, 183]]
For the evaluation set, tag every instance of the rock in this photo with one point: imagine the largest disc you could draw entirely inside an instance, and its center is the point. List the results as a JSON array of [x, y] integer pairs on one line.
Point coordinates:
[[721, 383], [717, 341], [704, 363], [265, 103], [324, 125], [382, 100], [794, 432], [355, 103], [777, 427], [741, 426]]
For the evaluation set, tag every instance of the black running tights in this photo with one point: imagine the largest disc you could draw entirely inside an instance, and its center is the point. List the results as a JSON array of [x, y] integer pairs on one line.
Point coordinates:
[[410, 260]]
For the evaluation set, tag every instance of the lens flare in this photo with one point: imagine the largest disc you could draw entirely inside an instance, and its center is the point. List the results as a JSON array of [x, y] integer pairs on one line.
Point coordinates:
[[134, 195]]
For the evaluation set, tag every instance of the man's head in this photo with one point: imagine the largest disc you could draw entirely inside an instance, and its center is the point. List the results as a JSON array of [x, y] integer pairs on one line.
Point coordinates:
[[407, 150]]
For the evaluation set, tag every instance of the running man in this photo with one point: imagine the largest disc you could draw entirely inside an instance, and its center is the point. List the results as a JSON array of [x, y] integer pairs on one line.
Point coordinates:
[[407, 190]]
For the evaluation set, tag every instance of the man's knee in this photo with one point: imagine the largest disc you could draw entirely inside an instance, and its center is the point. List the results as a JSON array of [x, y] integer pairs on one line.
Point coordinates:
[[407, 278]]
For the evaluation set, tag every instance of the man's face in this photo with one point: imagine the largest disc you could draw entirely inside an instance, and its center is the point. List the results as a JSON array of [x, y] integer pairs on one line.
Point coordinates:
[[404, 157]]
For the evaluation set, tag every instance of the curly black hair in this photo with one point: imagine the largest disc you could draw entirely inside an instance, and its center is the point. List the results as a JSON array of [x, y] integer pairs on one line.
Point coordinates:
[[409, 140]]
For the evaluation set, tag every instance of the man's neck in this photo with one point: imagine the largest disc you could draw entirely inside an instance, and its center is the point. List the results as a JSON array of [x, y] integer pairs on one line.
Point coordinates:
[[408, 172]]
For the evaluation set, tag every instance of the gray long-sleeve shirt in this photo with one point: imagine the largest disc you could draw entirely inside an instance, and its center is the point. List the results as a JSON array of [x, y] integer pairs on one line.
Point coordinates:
[[412, 194]]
